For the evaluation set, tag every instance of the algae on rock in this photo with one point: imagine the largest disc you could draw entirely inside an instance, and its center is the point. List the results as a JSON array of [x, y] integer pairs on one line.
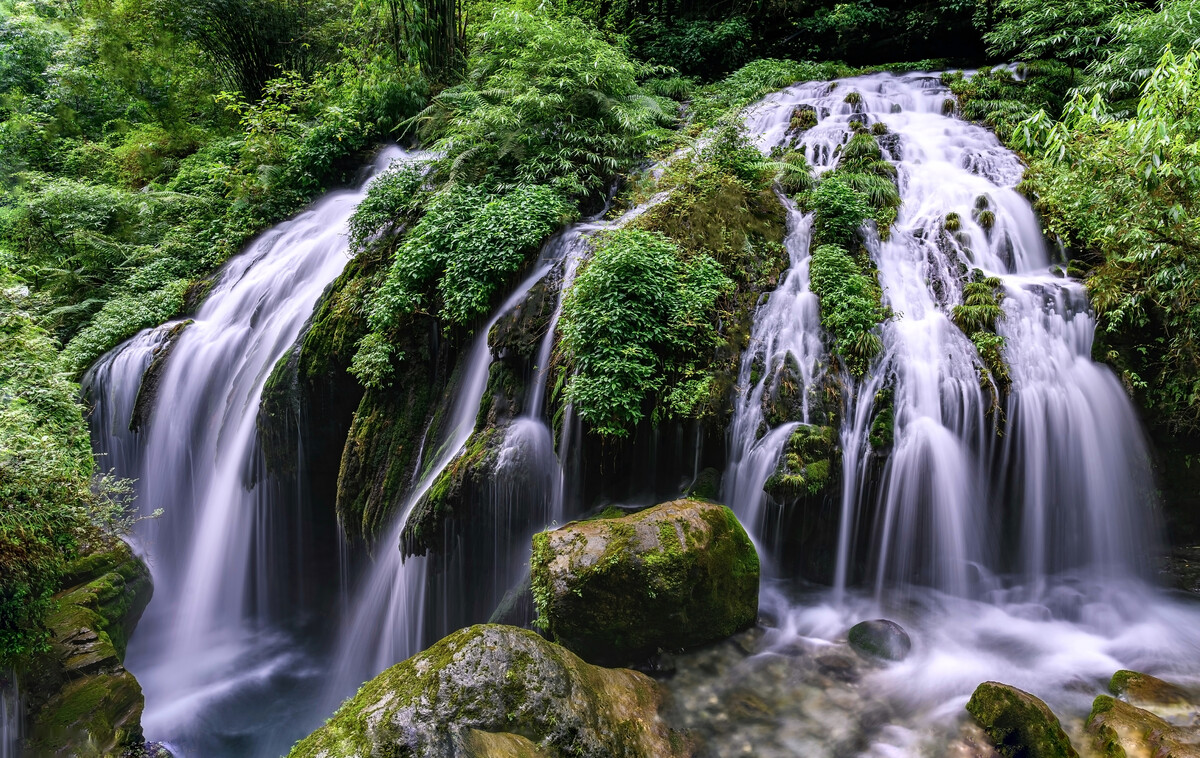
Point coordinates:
[[677, 575], [81, 700], [494, 690], [1019, 724]]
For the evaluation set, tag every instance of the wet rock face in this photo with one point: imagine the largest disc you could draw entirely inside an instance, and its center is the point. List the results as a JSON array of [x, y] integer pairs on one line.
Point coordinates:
[[498, 691], [1019, 724], [677, 575], [1119, 729], [1147, 691], [81, 700], [882, 639]]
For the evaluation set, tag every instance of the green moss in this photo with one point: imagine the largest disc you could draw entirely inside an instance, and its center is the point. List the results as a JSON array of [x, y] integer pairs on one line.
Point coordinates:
[[673, 576], [445, 509], [851, 306], [806, 464], [1018, 723], [952, 222], [883, 426]]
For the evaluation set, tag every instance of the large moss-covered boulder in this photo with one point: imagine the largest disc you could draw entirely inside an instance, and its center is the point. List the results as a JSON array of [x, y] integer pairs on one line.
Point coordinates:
[[81, 700], [498, 691], [1121, 730], [1019, 724], [677, 575]]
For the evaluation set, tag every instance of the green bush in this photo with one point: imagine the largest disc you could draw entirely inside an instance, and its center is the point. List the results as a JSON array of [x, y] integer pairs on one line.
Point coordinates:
[[545, 101], [637, 331], [49, 508], [840, 211], [851, 306]]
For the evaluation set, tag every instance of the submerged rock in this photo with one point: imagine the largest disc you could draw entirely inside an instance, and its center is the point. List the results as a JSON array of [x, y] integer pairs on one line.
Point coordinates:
[[81, 700], [677, 575], [498, 691], [1019, 724], [881, 639], [1120, 729]]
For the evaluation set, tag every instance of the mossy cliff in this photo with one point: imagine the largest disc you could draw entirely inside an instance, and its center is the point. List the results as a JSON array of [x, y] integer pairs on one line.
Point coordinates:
[[494, 690], [456, 507], [677, 575], [80, 699]]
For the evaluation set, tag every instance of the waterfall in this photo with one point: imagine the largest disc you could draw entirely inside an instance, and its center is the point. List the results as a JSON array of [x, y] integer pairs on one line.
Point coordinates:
[[387, 621], [1069, 463], [11, 716], [231, 553]]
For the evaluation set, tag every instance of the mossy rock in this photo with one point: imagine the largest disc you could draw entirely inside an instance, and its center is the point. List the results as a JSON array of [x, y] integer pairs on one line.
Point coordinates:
[[1120, 730], [82, 701], [1144, 690], [494, 690], [1019, 724], [806, 467], [880, 638], [674, 576]]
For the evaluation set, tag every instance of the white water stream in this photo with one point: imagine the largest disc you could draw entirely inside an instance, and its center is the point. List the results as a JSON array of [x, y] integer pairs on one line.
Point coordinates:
[[1065, 486]]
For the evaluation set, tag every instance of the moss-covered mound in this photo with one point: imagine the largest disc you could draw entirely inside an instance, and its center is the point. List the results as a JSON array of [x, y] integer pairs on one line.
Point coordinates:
[[1019, 724], [679, 574], [81, 700], [1147, 691], [498, 691], [806, 464]]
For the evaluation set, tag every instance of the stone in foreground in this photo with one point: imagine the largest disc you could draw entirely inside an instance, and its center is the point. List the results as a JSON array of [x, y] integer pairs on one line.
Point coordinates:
[[674, 576], [1120, 730], [81, 700], [880, 639], [1019, 724], [496, 691]]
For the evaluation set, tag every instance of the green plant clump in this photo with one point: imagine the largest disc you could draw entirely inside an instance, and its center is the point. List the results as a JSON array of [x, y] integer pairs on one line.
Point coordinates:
[[851, 307], [637, 327]]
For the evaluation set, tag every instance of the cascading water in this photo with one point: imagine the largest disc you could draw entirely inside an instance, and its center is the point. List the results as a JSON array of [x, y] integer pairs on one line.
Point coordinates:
[[231, 551], [1010, 545], [11, 716], [387, 621]]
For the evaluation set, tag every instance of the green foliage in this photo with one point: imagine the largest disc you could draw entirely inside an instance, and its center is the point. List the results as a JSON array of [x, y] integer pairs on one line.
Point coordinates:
[[393, 198], [840, 211], [49, 507], [466, 246], [754, 81], [707, 48], [544, 101], [1138, 39], [637, 328], [1123, 192], [1068, 30], [1000, 100], [851, 306]]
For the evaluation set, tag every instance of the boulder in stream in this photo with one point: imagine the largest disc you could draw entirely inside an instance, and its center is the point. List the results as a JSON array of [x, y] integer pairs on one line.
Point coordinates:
[[1120, 730], [674, 576], [880, 639], [1144, 690], [1019, 724], [493, 690]]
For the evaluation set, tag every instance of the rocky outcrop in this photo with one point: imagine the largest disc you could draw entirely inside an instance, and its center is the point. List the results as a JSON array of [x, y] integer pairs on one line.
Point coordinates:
[[498, 691], [674, 576], [1019, 724], [81, 700], [1120, 730]]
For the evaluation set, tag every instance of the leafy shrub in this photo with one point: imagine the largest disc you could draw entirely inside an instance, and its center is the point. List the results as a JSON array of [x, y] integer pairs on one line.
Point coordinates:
[[851, 306], [392, 198], [707, 48], [754, 81], [48, 506], [545, 101], [840, 211], [637, 329], [454, 260]]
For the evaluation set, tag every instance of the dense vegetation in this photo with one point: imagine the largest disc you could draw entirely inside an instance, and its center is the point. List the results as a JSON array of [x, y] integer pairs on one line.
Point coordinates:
[[143, 143]]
